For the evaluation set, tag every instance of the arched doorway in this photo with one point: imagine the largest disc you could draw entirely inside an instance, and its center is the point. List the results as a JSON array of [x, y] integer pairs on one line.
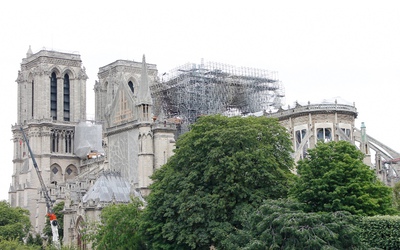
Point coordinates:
[[80, 225]]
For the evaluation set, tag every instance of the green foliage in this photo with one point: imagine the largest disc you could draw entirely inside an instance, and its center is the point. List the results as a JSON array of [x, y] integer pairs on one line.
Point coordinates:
[[381, 231], [221, 167], [334, 178], [14, 222], [281, 224], [396, 196], [58, 208], [118, 227], [51, 247], [16, 245], [34, 240]]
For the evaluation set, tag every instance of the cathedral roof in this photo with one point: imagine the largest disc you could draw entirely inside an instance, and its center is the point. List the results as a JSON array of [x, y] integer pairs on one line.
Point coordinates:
[[109, 186]]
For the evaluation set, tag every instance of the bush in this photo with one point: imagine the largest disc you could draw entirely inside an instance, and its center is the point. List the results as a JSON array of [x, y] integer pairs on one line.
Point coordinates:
[[381, 231], [16, 245]]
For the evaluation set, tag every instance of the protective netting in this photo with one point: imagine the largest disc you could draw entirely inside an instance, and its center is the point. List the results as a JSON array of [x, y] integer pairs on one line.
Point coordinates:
[[88, 138]]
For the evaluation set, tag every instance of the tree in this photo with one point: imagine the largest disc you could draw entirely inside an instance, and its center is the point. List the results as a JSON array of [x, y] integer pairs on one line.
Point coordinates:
[[34, 240], [334, 178], [396, 196], [221, 167], [16, 245], [282, 224], [14, 222], [118, 227]]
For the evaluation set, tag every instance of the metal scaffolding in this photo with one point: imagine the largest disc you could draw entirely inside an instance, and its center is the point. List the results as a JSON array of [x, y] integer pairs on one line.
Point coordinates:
[[192, 90]]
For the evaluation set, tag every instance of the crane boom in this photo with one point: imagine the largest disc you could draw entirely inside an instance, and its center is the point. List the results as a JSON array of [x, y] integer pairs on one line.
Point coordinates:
[[49, 202]]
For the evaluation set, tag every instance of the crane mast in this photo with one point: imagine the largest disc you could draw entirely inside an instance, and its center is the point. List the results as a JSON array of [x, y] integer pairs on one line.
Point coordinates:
[[49, 202]]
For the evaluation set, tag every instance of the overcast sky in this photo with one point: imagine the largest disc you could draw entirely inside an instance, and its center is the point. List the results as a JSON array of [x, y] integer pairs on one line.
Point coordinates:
[[321, 49]]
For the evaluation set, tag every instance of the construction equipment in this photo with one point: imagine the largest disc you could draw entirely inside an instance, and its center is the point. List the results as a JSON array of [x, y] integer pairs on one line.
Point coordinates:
[[49, 202]]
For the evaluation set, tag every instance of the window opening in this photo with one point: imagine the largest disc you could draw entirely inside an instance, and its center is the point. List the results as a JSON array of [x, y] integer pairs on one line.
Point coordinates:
[[54, 141], [53, 96], [66, 98], [130, 84], [300, 134], [145, 110], [68, 142], [324, 134], [346, 131]]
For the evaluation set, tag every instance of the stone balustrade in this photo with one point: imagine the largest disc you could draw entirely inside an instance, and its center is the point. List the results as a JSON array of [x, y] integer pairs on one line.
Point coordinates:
[[312, 108]]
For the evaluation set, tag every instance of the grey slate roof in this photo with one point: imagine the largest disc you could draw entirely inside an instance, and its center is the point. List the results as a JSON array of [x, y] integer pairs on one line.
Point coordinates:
[[108, 187]]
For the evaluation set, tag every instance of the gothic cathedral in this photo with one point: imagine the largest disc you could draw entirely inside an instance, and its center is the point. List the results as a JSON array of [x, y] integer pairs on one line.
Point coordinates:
[[86, 165]]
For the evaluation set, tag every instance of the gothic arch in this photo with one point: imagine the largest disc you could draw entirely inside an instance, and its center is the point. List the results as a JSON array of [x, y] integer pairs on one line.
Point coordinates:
[[145, 142], [133, 84], [56, 70], [110, 89], [70, 73], [56, 175], [70, 172], [79, 228]]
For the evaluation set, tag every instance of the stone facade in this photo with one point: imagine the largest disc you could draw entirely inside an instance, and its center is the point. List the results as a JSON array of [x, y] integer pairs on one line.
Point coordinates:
[[52, 106], [332, 121], [51, 101], [307, 124]]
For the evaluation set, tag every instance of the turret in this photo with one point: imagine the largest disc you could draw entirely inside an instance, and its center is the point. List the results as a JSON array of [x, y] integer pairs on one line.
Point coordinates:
[[364, 147], [144, 100]]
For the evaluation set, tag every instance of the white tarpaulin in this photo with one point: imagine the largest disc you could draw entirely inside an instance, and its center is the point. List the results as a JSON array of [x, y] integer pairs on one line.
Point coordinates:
[[88, 137]]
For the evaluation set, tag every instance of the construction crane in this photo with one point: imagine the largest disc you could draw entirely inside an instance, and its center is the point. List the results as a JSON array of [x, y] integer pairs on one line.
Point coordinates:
[[49, 203]]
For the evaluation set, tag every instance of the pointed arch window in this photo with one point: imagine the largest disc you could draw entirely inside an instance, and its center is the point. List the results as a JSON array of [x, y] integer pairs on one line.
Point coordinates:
[[66, 98], [71, 172], [130, 84], [56, 174], [53, 96]]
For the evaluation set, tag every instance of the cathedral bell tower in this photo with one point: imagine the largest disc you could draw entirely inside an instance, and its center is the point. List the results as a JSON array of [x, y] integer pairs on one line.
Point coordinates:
[[51, 101]]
